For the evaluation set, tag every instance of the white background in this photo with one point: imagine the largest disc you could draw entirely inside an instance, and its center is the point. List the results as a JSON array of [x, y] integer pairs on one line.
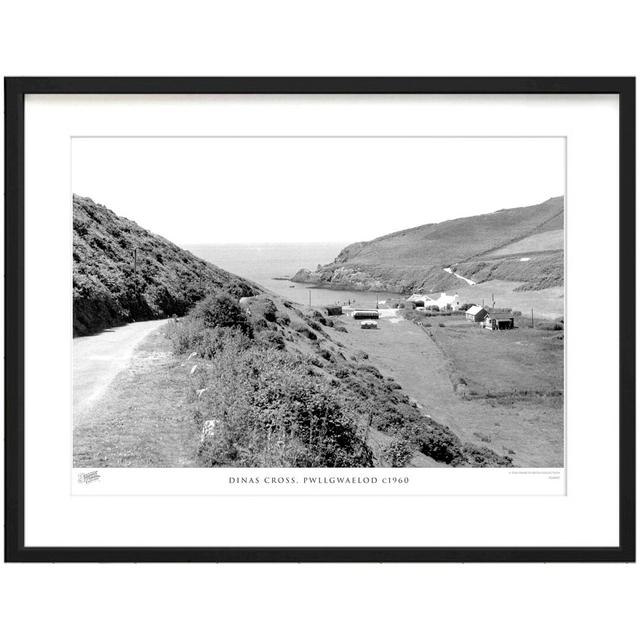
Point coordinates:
[[363, 38], [416, 179], [586, 516]]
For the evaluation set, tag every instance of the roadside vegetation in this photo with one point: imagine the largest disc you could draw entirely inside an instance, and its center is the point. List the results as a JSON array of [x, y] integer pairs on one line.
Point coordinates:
[[271, 385]]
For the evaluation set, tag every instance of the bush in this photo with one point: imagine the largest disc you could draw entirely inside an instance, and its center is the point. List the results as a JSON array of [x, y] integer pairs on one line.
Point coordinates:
[[269, 412], [484, 457], [326, 354], [397, 453], [439, 443], [367, 368], [306, 332], [221, 310], [550, 326], [190, 335], [314, 325], [272, 339]]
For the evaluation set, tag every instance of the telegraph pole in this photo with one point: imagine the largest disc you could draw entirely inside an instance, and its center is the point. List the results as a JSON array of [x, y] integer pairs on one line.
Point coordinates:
[[135, 269]]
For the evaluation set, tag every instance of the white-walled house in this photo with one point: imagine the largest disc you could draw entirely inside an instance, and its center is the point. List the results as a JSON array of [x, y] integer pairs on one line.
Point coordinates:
[[476, 313], [440, 300]]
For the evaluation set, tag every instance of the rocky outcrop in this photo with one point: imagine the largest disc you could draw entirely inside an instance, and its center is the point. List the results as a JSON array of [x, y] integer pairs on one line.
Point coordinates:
[[388, 278]]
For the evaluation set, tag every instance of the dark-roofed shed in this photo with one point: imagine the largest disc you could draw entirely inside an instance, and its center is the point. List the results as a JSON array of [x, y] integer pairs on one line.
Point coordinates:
[[499, 320]]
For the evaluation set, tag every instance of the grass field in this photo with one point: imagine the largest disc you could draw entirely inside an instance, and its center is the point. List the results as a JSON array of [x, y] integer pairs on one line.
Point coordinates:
[[493, 363], [548, 303], [545, 241], [474, 380]]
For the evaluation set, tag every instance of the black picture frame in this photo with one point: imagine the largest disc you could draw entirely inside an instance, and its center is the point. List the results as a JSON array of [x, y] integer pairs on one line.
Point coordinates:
[[15, 91]]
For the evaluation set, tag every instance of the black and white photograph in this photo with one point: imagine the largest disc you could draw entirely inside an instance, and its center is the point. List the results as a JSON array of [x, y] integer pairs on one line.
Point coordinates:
[[339, 307], [318, 302]]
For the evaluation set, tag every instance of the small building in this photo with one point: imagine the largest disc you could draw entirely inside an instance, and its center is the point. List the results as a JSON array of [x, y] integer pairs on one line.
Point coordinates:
[[334, 310], [366, 314], [368, 324], [498, 320], [476, 313]]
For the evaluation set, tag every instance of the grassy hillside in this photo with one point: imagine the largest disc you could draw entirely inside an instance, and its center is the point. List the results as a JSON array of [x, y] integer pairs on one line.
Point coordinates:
[[167, 280], [475, 247], [272, 385]]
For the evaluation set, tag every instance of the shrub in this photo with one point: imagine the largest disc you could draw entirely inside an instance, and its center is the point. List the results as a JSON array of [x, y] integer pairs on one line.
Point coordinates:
[[326, 354], [306, 332], [367, 368], [439, 443], [272, 339], [314, 325], [190, 335], [397, 453], [270, 310], [221, 310], [484, 457], [550, 326], [270, 413]]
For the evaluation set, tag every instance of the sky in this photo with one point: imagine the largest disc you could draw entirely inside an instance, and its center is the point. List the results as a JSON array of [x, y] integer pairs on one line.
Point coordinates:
[[255, 190]]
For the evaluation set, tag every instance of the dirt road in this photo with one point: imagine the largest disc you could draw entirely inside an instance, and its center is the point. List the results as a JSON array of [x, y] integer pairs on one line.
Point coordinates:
[[98, 359]]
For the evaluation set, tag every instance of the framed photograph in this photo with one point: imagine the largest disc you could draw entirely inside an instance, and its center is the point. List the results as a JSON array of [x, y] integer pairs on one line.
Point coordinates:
[[320, 319]]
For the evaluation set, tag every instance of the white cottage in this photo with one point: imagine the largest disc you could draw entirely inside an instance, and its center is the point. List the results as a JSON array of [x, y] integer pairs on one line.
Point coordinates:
[[440, 300]]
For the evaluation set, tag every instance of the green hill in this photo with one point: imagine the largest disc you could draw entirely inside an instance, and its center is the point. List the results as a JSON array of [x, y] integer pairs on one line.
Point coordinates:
[[108, 289], [482, 247]]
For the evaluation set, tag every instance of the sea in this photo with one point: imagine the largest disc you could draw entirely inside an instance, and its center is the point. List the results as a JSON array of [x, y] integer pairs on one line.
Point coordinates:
[[270, 265]]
